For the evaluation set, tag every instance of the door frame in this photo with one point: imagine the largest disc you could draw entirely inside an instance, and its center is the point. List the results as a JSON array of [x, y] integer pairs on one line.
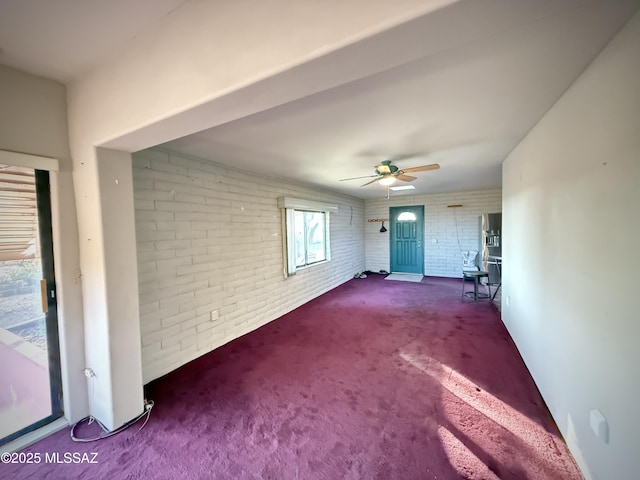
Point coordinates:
[[393, 212], [45, 231]]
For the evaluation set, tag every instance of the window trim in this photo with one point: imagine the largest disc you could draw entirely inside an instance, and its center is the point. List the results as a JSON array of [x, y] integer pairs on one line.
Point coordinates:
[[289, 205], [37, 162]]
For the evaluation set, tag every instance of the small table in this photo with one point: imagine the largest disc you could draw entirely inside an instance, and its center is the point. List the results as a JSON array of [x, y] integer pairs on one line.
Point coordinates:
[[497, 261], [477, 275]]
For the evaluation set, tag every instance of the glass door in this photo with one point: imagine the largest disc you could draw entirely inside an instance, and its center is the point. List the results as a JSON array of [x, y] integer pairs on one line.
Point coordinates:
[[30, 385]]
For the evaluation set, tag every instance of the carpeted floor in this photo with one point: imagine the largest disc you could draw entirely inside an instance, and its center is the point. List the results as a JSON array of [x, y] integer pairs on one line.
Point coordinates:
[[373, 380]]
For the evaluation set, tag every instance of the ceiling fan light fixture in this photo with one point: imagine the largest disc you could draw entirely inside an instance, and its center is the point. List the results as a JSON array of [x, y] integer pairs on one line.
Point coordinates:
[[387, 180]]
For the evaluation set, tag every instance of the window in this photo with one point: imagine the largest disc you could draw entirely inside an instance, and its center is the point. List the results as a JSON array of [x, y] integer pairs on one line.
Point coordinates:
[[306, 233], [310, 244], [407, 217], [18, 214]]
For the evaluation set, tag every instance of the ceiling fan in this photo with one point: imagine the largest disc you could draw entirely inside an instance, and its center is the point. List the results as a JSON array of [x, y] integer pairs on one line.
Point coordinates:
[[387, 173]]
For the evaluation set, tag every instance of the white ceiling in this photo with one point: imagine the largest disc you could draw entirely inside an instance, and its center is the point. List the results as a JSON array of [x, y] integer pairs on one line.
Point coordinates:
[[464, 105], [62, 39]]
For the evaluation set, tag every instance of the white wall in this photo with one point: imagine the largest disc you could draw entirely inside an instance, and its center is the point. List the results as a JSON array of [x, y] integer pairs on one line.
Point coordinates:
[[34, 116], [454, 229], [572, 218], [210, 262], [151, 92], [34, 121]]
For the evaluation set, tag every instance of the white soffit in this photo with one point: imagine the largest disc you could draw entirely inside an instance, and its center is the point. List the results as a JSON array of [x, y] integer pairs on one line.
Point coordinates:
[[61, 39]]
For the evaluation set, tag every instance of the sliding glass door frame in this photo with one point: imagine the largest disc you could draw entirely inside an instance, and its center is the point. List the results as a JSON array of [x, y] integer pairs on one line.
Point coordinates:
[[49, 304]]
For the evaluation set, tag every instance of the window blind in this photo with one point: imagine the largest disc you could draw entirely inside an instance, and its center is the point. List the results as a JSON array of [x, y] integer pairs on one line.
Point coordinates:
[[18, 213]]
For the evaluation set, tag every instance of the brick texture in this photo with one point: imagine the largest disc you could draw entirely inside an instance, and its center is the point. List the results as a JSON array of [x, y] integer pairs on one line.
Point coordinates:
[[448, 231], [210, 261]]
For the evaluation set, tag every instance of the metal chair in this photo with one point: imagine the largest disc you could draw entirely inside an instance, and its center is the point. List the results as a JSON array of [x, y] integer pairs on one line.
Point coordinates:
[[471, 272], [476, 276]]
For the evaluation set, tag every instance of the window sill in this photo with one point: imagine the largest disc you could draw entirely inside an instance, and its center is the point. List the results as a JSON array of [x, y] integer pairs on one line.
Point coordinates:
[[312, 265]]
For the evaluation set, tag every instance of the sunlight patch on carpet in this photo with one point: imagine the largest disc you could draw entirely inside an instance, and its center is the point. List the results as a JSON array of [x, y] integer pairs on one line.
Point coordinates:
[[405, 277], [540, 444], [462, 459]]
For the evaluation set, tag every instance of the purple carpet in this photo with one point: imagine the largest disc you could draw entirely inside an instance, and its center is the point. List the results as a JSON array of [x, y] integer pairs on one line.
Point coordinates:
[[373, 380]]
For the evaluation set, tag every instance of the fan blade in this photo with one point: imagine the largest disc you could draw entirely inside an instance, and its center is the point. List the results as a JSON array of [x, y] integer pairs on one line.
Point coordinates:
[[405, 178], [423, 168], [356, 178], [369, 183]]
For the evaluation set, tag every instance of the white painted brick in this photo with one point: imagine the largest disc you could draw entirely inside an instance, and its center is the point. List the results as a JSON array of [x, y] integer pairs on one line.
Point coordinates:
[[149, 266], [173, 225], [209, 291], [143, 215], [149, 308], [197, 321], [148, 277], [153, 195], [194, 268], [141, 205], [190, 234], [153, 255], [144, 235], [223, 253], [162, 355], [168, 342], [171, 264], [152, 348], [178, 319], [176, 300], [169, 279], [454, 229], [175, 245], [196, 286], [158, 335], [190, 216]]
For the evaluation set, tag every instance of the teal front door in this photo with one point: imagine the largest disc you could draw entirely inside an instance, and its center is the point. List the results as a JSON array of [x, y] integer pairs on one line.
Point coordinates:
[[407, 239]]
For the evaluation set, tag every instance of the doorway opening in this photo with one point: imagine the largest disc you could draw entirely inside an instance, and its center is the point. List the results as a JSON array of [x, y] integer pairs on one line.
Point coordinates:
[[30, 379]]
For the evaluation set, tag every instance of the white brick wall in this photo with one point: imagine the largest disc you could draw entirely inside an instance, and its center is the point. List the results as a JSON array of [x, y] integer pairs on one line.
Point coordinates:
[[454, 229], [210, 255]]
